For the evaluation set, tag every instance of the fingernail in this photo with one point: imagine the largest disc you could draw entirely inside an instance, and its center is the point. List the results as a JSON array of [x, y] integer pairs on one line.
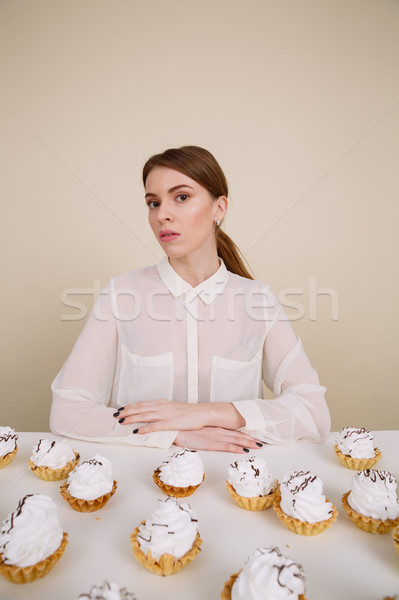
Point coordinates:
[[245, 449], [121, 408], [116, 414], [135, 430], [259, 444], [121, 420]]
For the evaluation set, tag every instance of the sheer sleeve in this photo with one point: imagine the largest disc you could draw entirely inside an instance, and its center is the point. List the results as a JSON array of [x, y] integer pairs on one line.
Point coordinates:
[[82, 389], [299, 409]]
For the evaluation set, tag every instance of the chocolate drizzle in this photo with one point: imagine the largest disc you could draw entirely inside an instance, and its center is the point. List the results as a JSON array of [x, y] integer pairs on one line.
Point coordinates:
[[92, 461], [309, 478], [8, 436], [359, 431], [17, 511], [373, 475], [297, 570]]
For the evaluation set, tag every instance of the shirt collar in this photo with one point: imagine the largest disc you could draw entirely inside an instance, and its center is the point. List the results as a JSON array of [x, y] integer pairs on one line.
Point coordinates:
[[207, 290]]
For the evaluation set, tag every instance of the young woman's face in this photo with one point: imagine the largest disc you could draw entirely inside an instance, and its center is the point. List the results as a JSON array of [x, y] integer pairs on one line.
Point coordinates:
[[181, 212]]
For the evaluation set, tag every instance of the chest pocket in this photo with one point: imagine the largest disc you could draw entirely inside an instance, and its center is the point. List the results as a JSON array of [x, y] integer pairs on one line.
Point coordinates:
[[233, 380], [144, 377]]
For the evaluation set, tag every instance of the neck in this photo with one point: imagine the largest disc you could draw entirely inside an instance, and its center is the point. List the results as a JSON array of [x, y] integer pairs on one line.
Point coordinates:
[[194, 269]]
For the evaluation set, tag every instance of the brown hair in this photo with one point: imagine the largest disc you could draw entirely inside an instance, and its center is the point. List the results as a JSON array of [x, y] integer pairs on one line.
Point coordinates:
[[201, 166]]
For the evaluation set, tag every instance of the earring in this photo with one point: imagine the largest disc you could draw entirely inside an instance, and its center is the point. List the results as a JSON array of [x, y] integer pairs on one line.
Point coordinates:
[[218, 223]]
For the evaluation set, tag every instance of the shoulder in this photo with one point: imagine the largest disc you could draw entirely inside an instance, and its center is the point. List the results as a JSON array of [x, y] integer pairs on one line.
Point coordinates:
[[257, 294], [248, 285], [135, 279]]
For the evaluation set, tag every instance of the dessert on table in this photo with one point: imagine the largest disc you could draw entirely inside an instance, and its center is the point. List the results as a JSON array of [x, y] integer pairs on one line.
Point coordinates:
[[301, 505], [107, 591], [267, 573], [251, 484], [90, 485], [372, 503], [8, 445], [355, 448], [53, 460], [169, 539], [31, 539], [180, 474]]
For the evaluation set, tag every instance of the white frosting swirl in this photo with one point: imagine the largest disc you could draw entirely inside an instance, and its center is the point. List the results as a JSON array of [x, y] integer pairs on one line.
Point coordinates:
[[269, 574], [52, 454], [251, 477], [108, 591], [31, 533], [373, 494], [8, 440], [356, 442], [91, 479], [182, 469], [302, 497], [172, 529]]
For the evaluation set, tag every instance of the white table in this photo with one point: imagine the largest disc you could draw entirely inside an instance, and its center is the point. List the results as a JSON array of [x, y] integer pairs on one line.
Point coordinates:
[[342, 563]]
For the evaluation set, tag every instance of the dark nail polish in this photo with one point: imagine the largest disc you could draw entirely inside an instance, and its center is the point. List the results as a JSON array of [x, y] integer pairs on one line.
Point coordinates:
[[245, 449], [121, 420], [259, 444], [116, 414], [135, 430]]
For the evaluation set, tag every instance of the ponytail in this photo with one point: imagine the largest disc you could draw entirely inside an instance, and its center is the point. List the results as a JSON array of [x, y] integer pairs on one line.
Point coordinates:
[[231, 255]]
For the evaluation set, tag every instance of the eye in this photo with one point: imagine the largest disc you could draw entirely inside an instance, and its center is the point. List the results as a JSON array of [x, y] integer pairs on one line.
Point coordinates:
[[152, 204], [182, 197]]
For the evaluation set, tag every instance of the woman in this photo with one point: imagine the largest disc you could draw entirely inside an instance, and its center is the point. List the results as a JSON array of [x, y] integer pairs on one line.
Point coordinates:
[[176, 352]]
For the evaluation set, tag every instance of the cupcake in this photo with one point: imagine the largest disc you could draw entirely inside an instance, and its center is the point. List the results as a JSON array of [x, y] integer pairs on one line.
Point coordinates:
[[31, 539], [168, 540], [267, 573], [53, 461], [250, 484], [8, 445], [180, 474], [90, 485], [107, 591], [355, 448], [301, 505], [372, 503]]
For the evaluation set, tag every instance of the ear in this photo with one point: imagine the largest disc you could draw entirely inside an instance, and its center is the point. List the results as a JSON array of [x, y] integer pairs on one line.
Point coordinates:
[[221, 207]]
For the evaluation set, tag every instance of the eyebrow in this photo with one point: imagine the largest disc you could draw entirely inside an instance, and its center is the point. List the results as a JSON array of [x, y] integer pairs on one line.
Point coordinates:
[[172, 189]]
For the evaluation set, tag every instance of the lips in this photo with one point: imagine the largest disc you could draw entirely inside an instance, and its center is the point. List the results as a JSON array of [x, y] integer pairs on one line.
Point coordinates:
[[168, 235]]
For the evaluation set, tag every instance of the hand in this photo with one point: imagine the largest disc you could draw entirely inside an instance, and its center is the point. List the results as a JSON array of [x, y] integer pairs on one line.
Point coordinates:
[[163, 415], [217, 438]]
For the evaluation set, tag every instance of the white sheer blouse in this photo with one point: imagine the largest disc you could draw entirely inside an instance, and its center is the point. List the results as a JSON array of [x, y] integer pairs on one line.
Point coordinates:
[[151, 335]]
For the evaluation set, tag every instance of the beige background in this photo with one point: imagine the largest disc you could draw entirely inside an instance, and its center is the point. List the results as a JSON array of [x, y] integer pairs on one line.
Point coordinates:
[[299, 102]]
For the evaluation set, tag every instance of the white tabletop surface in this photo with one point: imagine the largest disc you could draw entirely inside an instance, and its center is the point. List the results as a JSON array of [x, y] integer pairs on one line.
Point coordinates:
[[342, 563]]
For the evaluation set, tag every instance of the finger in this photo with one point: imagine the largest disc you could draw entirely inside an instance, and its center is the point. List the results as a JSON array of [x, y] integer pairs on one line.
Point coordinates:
[[158, 426], [146, 405], [248, 440], [140, 418], [242, 441]]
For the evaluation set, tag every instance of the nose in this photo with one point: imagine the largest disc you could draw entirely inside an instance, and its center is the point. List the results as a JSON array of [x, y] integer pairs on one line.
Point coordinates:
[[165, 213]]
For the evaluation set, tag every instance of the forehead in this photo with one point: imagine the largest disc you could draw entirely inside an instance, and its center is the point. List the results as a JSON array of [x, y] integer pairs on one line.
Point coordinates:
[[164, 178]]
